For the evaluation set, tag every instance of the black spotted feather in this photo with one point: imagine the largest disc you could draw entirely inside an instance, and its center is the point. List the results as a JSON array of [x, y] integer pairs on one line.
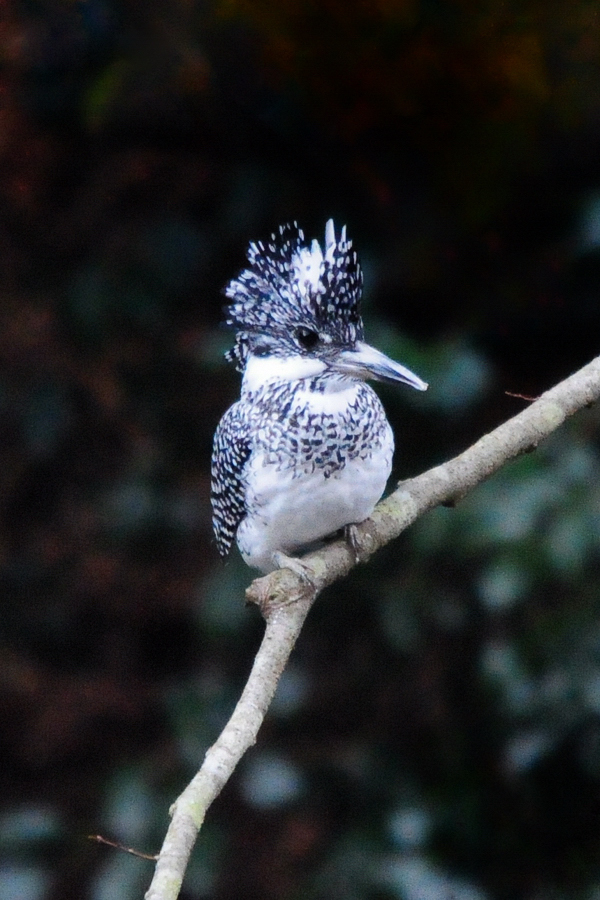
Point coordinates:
[[273, 295], [230, 453]]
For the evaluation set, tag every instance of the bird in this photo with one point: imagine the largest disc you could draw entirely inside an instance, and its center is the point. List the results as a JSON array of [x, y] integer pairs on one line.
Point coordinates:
[[307, 449]]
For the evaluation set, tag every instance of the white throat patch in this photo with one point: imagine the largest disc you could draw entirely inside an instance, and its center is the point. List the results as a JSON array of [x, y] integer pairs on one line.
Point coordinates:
[[261, 369]]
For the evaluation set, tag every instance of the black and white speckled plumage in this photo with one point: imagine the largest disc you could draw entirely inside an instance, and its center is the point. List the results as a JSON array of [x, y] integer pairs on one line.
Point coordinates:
[[307, 449], [272, 297]]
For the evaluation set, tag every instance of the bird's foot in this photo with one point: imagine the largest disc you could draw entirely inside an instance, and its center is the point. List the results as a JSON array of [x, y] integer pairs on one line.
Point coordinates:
[[352, 539], [283, 561]]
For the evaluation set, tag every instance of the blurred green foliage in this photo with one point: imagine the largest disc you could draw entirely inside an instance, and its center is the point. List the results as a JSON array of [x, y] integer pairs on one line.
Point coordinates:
[[437, 734]]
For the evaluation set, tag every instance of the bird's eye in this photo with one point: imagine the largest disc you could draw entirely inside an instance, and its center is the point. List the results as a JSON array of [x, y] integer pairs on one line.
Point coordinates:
[[306, 338]]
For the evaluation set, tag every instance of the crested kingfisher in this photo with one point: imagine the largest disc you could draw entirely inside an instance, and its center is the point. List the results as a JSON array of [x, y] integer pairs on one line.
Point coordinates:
[[307, 449]]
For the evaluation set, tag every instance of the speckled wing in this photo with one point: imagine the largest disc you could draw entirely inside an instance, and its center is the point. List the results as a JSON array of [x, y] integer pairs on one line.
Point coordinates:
[[231, 450]]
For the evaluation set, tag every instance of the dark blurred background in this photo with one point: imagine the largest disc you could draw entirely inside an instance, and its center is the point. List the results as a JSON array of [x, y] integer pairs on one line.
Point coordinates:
[[437, 734]]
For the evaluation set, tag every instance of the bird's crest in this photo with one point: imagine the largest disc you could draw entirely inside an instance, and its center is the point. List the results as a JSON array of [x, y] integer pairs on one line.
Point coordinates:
[[291, 284]]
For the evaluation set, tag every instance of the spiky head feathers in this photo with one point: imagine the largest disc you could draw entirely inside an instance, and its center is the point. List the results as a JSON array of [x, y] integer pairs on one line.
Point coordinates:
[[294, 296]]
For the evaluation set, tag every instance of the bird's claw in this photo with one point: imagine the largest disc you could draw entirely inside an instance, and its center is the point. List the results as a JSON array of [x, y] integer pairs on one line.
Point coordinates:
[[283, 561], [352, 538]]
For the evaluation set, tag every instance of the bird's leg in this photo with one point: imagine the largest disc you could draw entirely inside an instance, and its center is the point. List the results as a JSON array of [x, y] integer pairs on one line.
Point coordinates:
[[283, 561], [352, 539]]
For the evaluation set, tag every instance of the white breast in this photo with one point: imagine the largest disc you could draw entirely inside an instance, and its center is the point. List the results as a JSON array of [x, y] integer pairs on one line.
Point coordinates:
[[292, 510]]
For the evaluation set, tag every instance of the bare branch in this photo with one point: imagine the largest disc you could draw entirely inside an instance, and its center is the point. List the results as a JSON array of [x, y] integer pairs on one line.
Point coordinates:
[[285, 599], [99, 839]]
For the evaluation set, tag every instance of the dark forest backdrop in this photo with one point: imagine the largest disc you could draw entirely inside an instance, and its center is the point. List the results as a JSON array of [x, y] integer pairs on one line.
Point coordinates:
[[437, 735]]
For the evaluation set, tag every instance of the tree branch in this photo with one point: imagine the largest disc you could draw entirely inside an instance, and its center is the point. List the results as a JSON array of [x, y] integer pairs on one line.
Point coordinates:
[[285, 600]]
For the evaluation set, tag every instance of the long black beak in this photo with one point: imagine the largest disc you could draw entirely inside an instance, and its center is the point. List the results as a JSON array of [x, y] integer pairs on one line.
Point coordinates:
[[366, 362]]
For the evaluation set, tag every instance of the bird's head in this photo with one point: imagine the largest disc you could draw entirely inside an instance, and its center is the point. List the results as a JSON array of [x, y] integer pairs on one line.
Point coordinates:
[[297, 313]]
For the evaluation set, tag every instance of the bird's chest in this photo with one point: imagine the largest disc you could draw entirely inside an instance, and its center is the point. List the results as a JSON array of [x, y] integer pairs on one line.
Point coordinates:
[[315, 465], [325, 431], [322, 453]]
